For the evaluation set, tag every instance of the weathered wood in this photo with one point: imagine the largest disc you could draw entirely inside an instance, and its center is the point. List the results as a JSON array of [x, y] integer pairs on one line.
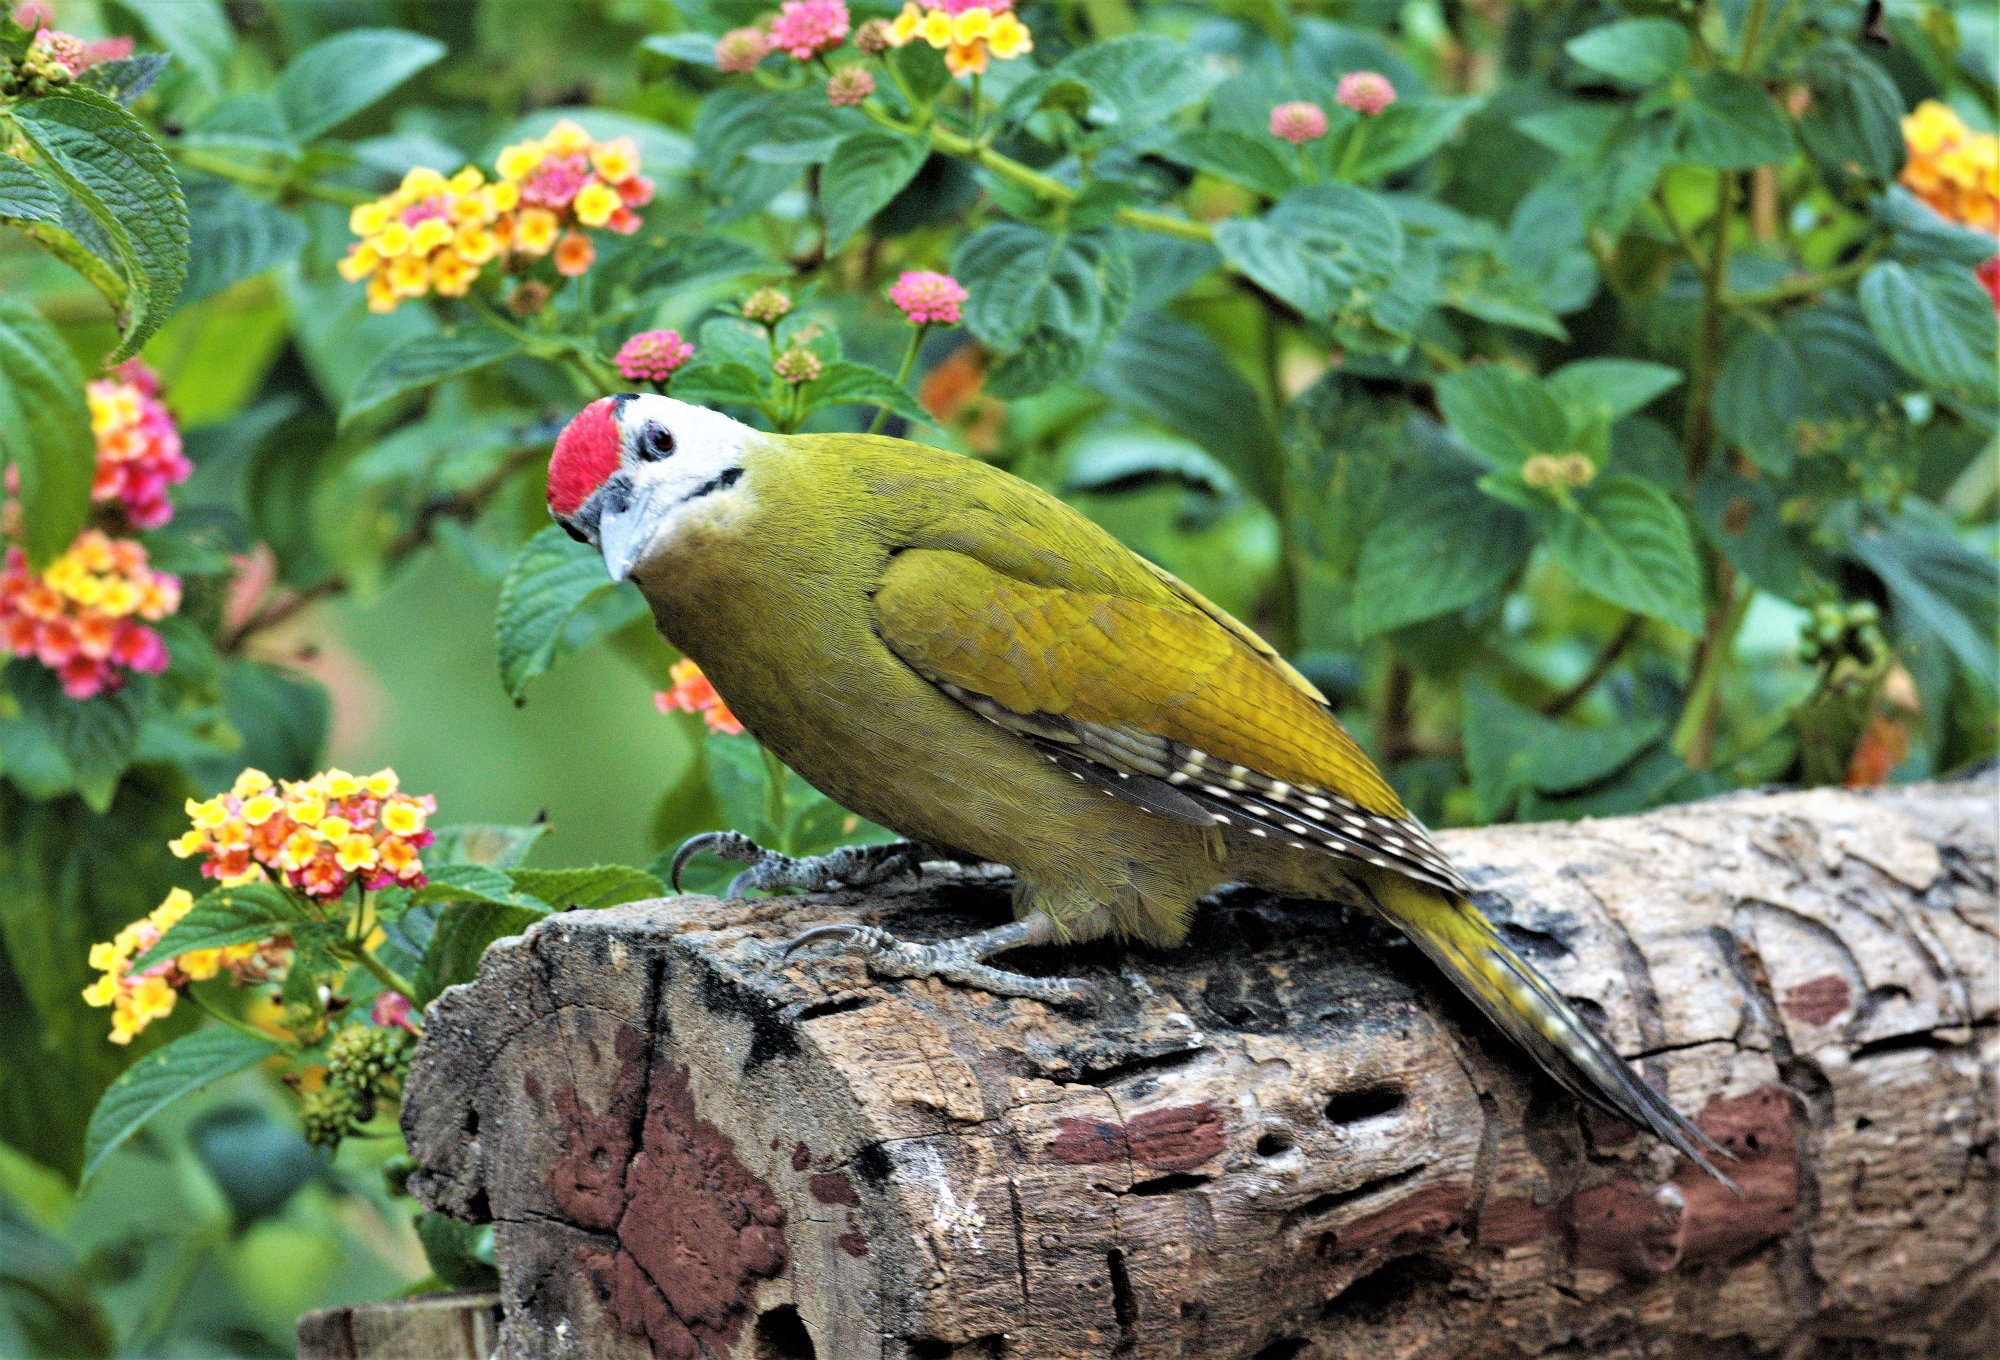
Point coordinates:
[[456, 1326], [1285, 1140]]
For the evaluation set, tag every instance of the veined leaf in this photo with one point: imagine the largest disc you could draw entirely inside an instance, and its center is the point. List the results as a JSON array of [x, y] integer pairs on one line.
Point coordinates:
[[227, 916], [1626, 542], [424, 361], [550, 580], [185, 1066], [44, 429], [336, 78], [1441, 544], [865, 171], [1937, 323], [599, 885], [842, 383]]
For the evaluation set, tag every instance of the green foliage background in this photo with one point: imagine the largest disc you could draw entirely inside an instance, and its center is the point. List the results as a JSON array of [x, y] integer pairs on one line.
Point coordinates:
[[1661, 241]]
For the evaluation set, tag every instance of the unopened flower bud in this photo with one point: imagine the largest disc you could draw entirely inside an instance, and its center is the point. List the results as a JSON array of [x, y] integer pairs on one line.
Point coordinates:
[[767, 306], [1578, 470], [739, 50], [873, 37], [528, 298], [849, 86], [1542, 471], [796, 365]]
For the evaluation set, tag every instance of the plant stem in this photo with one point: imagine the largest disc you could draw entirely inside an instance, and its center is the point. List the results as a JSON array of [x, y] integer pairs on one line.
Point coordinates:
[[384, 974], [1350, 155], [978, 107], [902, 376], [243, 1027], [1806, 285], [1042, 186], [1704, 361], [259, 177], [1601, 667], [1753, 33], [1694, 734]]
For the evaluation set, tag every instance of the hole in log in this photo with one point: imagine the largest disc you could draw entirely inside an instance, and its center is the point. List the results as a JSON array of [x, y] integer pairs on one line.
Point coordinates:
[[1355, 1107], [1333, 1199], [1387, 1288], [1275, 1143], [1123, 1310], [1284, 1348], [1149, 1062], [1900, 1043], [782, 1335], [839, 1005], [979, 1348], [1168, 1185]]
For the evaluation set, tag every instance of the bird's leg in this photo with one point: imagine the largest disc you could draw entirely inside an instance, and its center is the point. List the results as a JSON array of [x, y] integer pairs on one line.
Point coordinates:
[[853, 866], [962, 960]]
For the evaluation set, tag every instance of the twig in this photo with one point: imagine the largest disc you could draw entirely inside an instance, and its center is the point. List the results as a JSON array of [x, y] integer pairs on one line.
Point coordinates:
[[1601, 667]]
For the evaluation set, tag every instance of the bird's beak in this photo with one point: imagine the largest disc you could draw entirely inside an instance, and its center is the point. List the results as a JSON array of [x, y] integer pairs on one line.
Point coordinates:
[[626, 527]]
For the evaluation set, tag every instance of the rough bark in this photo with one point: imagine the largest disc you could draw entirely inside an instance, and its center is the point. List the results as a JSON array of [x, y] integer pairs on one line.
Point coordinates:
[[455, 1326], [1284, 1140]]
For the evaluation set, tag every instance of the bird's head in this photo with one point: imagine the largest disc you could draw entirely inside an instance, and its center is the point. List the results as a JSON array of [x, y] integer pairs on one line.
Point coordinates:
[[631, 471]]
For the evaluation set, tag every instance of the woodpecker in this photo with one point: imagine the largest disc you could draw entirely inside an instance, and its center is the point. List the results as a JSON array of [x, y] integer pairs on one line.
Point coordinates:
[[959, 656]]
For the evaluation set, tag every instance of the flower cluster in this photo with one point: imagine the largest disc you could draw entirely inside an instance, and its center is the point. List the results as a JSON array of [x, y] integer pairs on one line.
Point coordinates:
[[692, 693], [1366, 92], [1545, 470], [849, 86], [138, 446], [968, 32], [804, 28], [82, 616], [652, 356], [1951, 167], [138, 999], [767, 306], [928, 298], [1298, 121], [318, 834], [435, 235]]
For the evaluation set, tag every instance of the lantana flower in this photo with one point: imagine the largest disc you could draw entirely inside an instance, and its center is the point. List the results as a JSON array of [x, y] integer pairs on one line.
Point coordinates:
[[804, 28], [1298, 121], [849, 86], [738, 51], [84, 616], [138, 999], [1366, 92], [1952, 168], [692, 693], [652, 356], [436, 235], [928, 298], [138, 446], [317, 835], [968, 33]]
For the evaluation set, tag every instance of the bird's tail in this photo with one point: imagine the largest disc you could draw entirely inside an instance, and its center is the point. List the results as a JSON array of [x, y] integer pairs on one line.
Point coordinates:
[[1461, 941]]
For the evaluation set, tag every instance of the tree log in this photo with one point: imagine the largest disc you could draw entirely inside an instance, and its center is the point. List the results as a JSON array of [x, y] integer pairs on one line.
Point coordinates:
[[1287, 1139]]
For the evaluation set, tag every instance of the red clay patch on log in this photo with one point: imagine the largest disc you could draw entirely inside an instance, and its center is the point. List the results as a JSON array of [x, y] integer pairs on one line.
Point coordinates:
[[1818, 1001], [801, 1156], [833, 1187], [1175, 1138], [853, 1243], [695, 1230], [1430, 1212], [1638, 1231], [1511, 1221]]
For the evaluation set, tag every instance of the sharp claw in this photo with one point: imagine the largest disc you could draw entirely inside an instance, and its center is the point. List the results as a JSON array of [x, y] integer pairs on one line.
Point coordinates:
[[722, 844], [806, 937]]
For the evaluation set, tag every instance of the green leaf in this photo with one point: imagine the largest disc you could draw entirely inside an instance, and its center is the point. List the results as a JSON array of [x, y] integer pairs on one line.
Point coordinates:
[[197, 32], [1512, 750], [1937, 323], [1053, 298], [1244, 158], [1800, 382], [842, 383], [685, 261], [1441, 544], [1134, 82], [123, 180], [238, 915], [95, 736], [1940, 588], [486, 843], [1326, 249], [424, 361], [183, 1067], [235, 237], [124, 79], [697, 49], [474, 883], [1610, 389], [1742, 517], [600, 885], [1161, 369], [1627, 543], [714, 384], [1503, 415], [26, 195], [551, 578], [1920, 237], [863, 174], [44, 430], [336, 78], [1404, 133], [1729, 122], [1854, 124], [1639, 52], [463, 934]]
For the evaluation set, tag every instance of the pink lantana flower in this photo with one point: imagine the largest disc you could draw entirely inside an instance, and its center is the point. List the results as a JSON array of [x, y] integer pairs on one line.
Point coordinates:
[[929, 298], [652, 356], [1366, 92], [1298, 122], [805, 28]]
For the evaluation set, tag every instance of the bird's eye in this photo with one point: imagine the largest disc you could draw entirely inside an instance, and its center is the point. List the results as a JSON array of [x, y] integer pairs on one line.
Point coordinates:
[[656, 443]]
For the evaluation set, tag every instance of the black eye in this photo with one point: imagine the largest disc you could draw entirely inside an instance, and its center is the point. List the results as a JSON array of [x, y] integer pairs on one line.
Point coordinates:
[[656, 443]]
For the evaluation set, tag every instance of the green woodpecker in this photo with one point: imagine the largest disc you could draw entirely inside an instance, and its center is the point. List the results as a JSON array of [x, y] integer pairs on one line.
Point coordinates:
[[961, 657]]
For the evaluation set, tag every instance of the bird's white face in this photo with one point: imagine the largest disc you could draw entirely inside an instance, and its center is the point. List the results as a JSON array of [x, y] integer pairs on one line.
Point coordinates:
[[630, 472]]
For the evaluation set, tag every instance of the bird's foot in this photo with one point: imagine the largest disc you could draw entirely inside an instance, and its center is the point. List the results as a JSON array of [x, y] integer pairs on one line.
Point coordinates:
[[853, 866], [961, 961]]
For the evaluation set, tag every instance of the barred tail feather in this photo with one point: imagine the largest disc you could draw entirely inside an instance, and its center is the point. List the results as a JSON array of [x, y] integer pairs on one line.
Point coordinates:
[[1462, 942]]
